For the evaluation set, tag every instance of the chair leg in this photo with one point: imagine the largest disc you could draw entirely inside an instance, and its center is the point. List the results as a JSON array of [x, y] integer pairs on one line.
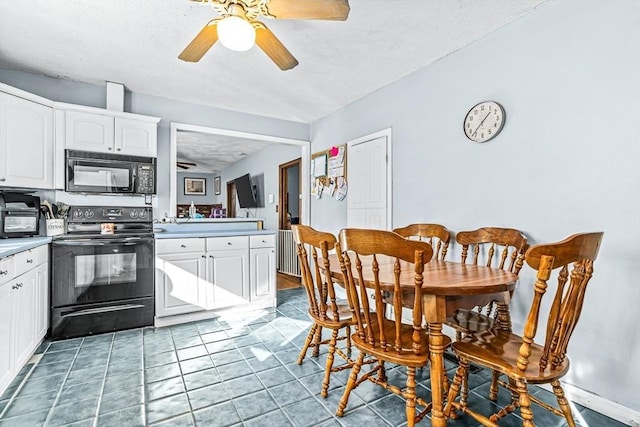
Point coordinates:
[[327, 370], [353, 377], [525, 404], [348, 343], [316, 341], [493, 390], [410, 396], [454, 390], [464, 393], [307, 343], [564, 404]]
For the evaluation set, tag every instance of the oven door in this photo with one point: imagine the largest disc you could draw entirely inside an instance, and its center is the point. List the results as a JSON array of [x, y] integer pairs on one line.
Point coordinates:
[[97, 270], [100, 176]]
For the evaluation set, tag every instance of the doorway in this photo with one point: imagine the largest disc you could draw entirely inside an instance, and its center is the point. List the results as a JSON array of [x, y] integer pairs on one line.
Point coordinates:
[[289, 194], [231, 199]]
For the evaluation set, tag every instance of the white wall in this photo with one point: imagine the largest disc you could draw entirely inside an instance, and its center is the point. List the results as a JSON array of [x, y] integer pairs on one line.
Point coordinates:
[[263, 167], [567, 161]]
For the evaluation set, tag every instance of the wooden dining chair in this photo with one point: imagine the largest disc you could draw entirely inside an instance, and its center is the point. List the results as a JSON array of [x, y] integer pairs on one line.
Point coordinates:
[[517, 356], [325, 310], [437, 235], [380, 333], [502, 248]]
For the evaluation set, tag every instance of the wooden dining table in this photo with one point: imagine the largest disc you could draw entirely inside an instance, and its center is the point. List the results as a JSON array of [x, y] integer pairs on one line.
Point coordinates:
[[447, 287]]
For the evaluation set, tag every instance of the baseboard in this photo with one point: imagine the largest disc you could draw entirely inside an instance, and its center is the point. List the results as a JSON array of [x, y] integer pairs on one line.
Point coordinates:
[[600, 404]]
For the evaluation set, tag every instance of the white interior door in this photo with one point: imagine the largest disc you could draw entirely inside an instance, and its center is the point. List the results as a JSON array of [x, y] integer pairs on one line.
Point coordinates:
[[368, 173]]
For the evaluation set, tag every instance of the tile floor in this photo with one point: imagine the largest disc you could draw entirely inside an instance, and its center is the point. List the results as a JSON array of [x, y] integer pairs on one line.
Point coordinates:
[[220, 372]]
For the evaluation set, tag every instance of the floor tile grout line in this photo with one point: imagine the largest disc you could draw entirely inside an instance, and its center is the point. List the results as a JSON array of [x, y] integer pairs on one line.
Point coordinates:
[[104, 380], [64, 381]]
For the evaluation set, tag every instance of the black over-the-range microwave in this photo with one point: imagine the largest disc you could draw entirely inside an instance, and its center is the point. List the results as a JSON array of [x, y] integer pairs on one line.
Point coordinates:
[[89, 172]]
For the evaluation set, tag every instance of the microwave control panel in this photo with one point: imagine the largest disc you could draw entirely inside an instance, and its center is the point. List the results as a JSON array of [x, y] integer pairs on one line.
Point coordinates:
[[145, 183]]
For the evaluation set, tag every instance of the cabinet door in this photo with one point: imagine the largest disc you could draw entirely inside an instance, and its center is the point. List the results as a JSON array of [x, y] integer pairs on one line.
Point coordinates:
[[179, 283], [26, 143], [263, 272], [42, 301], [135, 137], [88, 132], [227, 278], [24, 315], [6, 326]]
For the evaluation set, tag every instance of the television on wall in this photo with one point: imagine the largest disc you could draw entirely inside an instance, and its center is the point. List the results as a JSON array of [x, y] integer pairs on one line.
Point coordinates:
[[244, 190]]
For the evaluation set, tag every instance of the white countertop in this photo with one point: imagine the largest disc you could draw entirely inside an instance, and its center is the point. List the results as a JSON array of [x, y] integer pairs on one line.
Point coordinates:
[[20, 244], [206, 233]]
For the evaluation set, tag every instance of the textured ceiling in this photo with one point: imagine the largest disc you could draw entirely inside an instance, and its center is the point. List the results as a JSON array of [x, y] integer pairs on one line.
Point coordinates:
[[136, 42], [213, 153]]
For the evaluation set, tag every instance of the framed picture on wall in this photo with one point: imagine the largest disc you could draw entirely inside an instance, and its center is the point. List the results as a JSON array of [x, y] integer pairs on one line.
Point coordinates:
[[216, 186], [195, 186]]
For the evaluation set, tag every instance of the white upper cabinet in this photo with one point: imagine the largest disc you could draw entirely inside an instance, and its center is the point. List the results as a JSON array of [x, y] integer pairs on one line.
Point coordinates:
[[136, 137], [89, 132], [26, 141], [103, 133]]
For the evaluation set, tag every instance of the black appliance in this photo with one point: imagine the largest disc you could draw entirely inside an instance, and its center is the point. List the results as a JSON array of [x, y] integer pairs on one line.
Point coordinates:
[[109, 173], [102, 282], [19, 215]]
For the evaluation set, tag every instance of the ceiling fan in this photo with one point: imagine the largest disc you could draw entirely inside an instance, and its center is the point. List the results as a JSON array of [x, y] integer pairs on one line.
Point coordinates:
[[184, 165], [238, 29]]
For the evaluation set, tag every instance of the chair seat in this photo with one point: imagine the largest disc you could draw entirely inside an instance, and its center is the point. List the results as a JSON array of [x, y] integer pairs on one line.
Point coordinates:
[[498, 350], [470, 321], [405, 356], [343, 312]]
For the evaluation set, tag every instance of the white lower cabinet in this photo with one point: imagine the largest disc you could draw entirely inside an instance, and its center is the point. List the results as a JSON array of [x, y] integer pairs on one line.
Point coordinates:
[[24, 309], [180, 276], [196, 274]]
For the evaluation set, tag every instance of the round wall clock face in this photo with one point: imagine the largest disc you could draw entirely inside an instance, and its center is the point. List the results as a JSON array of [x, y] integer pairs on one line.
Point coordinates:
[[484, 121]]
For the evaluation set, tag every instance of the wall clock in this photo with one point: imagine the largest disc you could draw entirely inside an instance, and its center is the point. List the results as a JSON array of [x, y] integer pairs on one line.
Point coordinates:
[[484, 121]]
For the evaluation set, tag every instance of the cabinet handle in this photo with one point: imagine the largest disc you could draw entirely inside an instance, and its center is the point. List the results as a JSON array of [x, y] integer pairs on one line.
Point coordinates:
[[29, 261], [183, 246], [3, 179], [109, 148], [210, 256], [118, 149], [202, 256], [15, 287], [229, 243], [19, 285], [3, 272]]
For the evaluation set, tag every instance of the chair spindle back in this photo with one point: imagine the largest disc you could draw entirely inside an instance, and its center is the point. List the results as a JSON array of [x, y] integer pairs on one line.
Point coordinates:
[[437, 235], [369, 252]]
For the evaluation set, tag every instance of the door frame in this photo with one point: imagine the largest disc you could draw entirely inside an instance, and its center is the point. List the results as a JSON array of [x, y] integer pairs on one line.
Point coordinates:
[[387, 133], [283, 186], [305, 155], [231, 199]]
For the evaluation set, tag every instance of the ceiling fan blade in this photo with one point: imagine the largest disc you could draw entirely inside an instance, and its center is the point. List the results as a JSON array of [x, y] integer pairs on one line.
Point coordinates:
[[334, 10], [274, 48], [201, 43]]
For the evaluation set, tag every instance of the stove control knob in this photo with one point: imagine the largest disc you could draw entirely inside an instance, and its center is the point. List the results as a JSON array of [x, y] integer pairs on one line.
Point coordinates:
[[88, 213], [133, 213], [77, 213], [143, 213]]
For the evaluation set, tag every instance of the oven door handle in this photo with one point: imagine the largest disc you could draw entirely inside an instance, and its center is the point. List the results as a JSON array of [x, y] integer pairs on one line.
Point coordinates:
[[102, 310], [98, 242]]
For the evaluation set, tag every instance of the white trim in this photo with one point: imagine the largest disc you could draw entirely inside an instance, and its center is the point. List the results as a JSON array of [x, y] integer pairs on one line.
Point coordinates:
[[25, 95], [382, 133], [305, 148], [599, 404], [103, 111]]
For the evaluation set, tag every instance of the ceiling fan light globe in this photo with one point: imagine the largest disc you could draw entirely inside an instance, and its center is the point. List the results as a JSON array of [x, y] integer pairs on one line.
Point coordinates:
[[236, 33]]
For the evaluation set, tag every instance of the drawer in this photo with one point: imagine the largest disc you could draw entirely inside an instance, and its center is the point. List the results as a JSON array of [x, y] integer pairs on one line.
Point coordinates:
[[7, 269], [262, 241], [25, 261], [176, 246], [227, 243]]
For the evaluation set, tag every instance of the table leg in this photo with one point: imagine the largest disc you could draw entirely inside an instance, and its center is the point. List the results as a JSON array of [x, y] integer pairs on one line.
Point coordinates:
[[436, 349]]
